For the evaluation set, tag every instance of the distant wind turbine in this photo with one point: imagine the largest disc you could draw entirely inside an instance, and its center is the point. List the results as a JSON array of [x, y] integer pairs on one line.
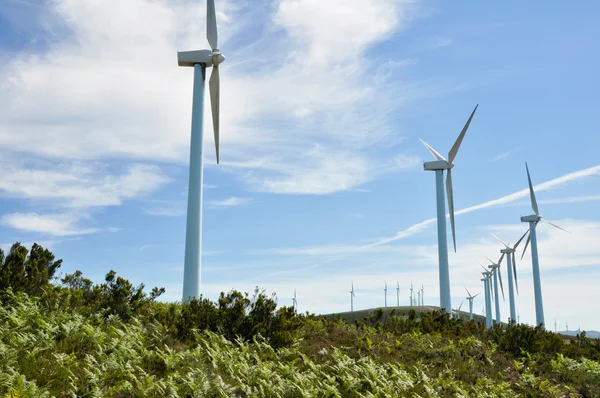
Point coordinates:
[[199, 60], [511, 262], [397, 294], [470, 298], [533, 221], [412, 302], [495, 267], [457, 312], [352, 298], [422, 295], [439, 165], [294, 301], [385, 293], [488, 297]]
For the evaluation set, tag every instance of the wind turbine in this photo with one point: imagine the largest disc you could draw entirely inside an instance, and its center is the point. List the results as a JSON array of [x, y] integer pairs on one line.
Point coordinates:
[[412, 302], [533, 221], [439, 165], [457, 312], [419, 297], [488, 305], [470, 298], [199, 60], [352, 298], [511, 263], [295, 302], [422, 295], [385, 292], [495, 267], [397, 294]]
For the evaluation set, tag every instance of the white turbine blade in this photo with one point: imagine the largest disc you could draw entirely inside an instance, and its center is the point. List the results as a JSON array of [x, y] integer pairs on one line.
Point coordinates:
[[454, 150], [211, 25], [531, 193], [491, 262], [501, 258], [476, 295], [554, 225], [501, 241], [468, 292], [451, 205], [433, 151], [515, 272], [215, 97], [500, 277], [460, 306], [520, 239], [526, 244]]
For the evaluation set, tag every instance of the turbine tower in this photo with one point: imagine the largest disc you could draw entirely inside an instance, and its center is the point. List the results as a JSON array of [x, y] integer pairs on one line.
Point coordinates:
[[295, 302], [397, 294], [488, 305], [533, 221], [511, 263], [470, 298], [352, 298], [495, 267], [385, 293], [412, 302], [439, 165], [422, 295], [199, 60]]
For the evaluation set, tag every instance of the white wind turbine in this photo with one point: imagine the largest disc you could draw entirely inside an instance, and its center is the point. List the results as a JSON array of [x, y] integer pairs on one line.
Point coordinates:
[[352, 298], [385, 294], [397, 294], [511, 263], [199, 60], [439, 165], [495, 267], [487, 275], [533, 221], [412, 302], [470, 298], [295, 302], [422, 295], [457, 312]]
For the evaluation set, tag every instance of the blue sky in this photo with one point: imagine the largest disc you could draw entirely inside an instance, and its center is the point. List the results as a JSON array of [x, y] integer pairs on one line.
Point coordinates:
[[322, 107]]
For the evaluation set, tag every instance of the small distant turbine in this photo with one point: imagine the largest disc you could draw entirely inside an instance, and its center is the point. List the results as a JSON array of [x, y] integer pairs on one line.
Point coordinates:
[[511, 262], [470, 298], [533, 221], [352, 298], [397, 294], [422, 295], [439, 165], [495, 267], [488, 297], [457, 312], [295, 302], [412, 301], [385, 294]]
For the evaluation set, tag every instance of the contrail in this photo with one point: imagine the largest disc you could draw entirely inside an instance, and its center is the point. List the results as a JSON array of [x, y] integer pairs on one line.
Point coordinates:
[[416, 228]]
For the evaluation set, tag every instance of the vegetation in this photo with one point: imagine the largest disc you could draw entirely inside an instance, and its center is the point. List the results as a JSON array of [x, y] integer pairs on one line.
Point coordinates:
[[69, 337]]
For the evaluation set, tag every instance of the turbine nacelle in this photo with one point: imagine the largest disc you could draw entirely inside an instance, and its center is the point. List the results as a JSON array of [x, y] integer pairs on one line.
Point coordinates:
[[507, 251], [531, 218], [438, 165], [206, 57]]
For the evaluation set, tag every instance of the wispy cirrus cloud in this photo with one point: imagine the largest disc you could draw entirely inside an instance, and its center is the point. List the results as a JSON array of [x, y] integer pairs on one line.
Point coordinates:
[[62, 224], [506, 154], [232, 201]]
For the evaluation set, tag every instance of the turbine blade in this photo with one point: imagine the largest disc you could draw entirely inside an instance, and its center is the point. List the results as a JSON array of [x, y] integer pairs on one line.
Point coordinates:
[[451, 205], [515, 272], [454, 150], [526, 244], [468, 292], [500, 277], [460, 306], [501, 258], [211, 25], [477, 295], [554, 225], [433, 151], [531, 193], [501, 241], [520, 239], [215, 97]]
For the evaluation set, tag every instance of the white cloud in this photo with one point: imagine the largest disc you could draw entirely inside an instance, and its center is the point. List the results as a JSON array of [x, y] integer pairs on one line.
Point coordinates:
[[76, 184], [229, 202], [64, 224], [108, 86]]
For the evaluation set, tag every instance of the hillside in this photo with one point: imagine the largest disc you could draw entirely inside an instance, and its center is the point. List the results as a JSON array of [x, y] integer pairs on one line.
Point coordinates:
[[75, 338]]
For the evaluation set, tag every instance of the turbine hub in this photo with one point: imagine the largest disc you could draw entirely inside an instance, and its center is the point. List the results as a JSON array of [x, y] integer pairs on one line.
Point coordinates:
[[217, 57]]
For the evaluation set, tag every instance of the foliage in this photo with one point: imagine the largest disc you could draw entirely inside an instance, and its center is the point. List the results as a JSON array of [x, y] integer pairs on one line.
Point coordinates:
[[75, 338]]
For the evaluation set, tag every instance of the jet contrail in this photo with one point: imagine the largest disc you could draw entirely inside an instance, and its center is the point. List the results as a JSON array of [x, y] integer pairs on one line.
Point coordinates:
[[416, 228]]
